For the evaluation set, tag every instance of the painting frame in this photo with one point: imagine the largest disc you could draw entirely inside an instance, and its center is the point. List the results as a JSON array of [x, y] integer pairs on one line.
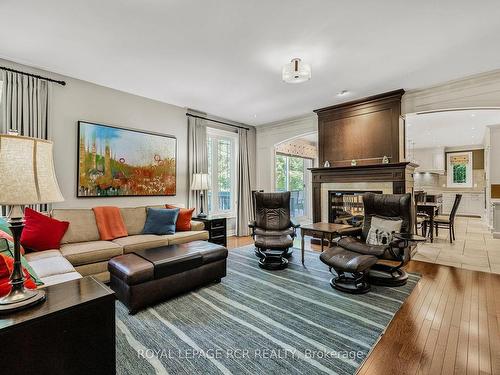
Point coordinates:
[[80, 125]]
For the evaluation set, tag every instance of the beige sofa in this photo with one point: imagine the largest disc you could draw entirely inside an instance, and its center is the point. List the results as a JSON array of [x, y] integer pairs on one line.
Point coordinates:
[[82, 252]]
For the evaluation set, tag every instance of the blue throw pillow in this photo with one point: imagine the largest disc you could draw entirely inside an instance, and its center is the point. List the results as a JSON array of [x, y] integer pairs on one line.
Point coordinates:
[[160, 221]]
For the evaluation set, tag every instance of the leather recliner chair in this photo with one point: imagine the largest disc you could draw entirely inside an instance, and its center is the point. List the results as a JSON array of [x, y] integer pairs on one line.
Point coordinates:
[[356, 262], [286, 254], [273, 230]]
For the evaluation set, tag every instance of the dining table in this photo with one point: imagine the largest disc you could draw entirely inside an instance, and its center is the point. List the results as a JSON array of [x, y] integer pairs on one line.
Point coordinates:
[[431, 209]]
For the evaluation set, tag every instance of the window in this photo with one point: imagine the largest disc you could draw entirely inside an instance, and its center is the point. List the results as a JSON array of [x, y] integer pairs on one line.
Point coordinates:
[[221, 148], [290, 176], [459, 172]]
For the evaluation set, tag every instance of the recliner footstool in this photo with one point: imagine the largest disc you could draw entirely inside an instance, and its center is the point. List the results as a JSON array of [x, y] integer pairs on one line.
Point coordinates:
[[347, 262], [148, 276]]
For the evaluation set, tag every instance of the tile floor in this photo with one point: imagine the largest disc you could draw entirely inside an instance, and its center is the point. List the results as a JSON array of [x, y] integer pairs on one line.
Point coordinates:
[[474, 247]]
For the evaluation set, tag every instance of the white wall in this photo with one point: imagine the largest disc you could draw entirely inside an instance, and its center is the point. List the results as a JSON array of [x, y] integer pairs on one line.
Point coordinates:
[[494, 139], [80, 100], [270, 135]]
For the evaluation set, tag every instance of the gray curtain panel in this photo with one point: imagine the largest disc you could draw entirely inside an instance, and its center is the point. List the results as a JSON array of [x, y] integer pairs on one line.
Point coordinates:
[[25, 109], [25, 105], [197, 157], [244, 190]]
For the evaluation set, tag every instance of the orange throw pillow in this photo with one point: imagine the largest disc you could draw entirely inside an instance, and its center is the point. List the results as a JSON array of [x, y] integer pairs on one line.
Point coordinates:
[[183, 223], [6, 268]]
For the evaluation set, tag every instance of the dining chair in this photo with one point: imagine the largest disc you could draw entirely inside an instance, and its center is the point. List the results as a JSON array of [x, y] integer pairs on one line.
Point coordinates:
[[447, 222], [420, 217]]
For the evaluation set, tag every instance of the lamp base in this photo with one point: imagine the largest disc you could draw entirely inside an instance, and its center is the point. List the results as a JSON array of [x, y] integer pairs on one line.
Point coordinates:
[[21, 299], [202, 215]]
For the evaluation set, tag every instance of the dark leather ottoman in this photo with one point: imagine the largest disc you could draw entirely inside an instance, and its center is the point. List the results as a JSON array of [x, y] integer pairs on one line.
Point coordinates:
[[351, 269], [145, 277]]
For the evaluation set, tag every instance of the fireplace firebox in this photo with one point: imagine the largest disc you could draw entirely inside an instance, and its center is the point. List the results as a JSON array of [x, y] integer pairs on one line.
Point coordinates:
[[346, 207]]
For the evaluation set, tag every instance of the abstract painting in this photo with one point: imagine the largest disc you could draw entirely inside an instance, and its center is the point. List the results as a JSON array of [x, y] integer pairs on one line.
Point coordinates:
[[124, 162]]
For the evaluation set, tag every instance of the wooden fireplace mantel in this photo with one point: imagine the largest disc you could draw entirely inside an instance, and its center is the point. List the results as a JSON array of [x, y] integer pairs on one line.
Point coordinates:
[[400, 174]]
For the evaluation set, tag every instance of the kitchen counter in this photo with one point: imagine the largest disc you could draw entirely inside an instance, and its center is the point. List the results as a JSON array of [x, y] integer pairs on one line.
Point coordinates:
[[473, 202]]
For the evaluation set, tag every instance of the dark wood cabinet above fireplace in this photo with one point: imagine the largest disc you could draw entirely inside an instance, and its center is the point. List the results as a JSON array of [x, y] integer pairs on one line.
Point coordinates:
[[365, 130]]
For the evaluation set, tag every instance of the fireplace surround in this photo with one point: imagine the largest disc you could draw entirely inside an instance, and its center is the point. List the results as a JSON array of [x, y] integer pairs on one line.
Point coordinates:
[[397, 176]]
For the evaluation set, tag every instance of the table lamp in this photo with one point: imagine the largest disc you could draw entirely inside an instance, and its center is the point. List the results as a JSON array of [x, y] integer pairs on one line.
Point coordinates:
[[27, 176], [200, 183]]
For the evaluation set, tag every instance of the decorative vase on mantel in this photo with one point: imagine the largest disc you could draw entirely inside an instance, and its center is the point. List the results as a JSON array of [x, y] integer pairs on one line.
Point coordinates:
[[385, 160], [326, 164], [354, 163]]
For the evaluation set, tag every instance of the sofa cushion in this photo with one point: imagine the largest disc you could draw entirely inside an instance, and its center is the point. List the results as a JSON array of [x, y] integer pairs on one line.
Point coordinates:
[[82, 225], [52, 267], [197, 225], [49, 263], [60, 278], [92, 268], [183, 237], [90, 252], [134, 219], [141, 241]]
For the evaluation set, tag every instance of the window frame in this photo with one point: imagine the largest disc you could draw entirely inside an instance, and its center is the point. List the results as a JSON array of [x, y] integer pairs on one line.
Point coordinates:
[[218, 134], [468, 173]]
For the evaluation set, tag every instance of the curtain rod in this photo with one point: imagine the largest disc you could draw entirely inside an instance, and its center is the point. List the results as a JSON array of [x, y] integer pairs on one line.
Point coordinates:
[[62, 83], [219, 122]]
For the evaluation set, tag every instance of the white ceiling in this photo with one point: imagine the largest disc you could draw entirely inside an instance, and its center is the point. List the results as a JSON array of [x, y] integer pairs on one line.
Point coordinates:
[[451, 128], [224, 57]]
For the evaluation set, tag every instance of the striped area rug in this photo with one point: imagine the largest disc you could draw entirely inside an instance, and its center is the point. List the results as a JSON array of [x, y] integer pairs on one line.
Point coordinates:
[[258, 322]]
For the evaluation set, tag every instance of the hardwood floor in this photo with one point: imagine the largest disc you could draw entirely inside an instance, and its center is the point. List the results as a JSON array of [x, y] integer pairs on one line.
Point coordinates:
[[450, 324]]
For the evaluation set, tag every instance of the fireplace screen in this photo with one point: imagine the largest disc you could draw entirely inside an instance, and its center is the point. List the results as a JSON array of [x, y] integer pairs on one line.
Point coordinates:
[[346, 207]]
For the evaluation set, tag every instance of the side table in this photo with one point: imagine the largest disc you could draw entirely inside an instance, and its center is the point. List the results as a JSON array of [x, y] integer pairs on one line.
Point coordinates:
[[72, 332], [216, 227]]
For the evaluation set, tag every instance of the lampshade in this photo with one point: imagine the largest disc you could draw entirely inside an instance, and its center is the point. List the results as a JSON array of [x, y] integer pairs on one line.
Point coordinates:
[[27, 174], [200, 181], [296, 71]]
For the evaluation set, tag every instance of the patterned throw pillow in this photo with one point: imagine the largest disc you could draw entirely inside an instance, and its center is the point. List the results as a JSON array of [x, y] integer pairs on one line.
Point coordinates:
[[6, 267], [7, 249], [382, 231], [4, 226]]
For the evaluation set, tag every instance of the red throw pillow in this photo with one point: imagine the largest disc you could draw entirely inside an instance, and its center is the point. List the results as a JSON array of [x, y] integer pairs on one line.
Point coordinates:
[[6, 267], [183, 222], [42, 232]]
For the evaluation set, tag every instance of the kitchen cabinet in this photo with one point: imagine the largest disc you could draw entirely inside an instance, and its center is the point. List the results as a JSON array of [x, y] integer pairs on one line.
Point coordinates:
[[472, 203], [430, 159]]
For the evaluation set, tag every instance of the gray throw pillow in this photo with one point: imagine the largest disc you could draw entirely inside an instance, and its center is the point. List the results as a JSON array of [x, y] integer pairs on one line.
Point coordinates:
[[382, 231]]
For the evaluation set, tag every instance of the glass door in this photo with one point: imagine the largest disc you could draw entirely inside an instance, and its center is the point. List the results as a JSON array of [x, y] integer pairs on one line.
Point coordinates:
[[292, 175]]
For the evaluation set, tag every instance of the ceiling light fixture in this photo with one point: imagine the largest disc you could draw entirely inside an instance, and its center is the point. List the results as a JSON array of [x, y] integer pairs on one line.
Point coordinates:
[[296, 71], [343, 92]]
